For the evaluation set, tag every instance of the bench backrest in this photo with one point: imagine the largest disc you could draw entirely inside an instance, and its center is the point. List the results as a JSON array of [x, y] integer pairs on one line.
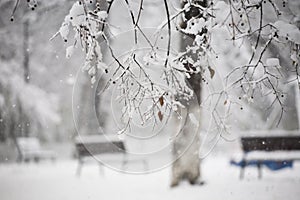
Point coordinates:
[[96, 148], [270, 143], [27, 144]]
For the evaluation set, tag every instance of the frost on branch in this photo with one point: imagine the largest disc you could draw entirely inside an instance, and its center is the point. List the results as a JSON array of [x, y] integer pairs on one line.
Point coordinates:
[[87, 21], [148, 97], [241, 25], [248, 24]]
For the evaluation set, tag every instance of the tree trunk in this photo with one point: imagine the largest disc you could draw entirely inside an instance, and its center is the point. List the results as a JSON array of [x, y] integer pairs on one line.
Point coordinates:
[[186, 149], [90, 100], [91, 116], [187, 164], [26, 50], [24, 119]]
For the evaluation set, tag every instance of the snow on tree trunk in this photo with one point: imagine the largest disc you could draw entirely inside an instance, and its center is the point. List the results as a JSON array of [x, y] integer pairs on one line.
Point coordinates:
[[186, 148], [187, 166]]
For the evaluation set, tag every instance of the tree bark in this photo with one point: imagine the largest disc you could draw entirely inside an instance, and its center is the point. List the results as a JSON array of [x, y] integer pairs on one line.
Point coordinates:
[[26, 50], [186, 150], [26, 58], [187, 165]]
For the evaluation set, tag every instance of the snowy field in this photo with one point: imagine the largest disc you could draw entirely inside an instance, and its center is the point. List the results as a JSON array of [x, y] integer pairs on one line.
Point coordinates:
[[57, 181]]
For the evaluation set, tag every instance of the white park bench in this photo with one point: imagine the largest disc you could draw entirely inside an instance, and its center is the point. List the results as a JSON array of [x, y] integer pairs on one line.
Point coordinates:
[[30, 149]]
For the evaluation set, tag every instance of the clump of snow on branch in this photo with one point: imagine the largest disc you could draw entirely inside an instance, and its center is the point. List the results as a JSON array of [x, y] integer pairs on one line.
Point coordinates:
[[87, 24]]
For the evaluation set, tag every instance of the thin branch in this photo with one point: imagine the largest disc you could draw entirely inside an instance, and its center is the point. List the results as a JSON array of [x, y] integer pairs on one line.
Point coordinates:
[[169, 32]]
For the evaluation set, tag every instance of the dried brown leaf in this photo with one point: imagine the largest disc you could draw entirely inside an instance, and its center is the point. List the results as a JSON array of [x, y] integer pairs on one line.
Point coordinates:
[[225, 102], [212, 72], [160, 115], [161, 100]]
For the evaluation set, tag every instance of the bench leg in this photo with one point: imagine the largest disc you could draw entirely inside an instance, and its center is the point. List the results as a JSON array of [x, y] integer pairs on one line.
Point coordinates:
[[53, 159], [36, 159], [243, 166], [101, 169], [20, 158], [124, 161], [259, 170], [242, 173], [146, 167], [79, 167]]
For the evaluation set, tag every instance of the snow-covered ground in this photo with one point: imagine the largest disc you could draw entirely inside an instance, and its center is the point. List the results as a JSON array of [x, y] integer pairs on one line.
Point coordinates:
[[57, 181]]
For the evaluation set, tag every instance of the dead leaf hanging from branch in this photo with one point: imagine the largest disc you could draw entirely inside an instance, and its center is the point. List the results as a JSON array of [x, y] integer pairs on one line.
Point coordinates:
[[161, 100], [212, 72], [160, 115]]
